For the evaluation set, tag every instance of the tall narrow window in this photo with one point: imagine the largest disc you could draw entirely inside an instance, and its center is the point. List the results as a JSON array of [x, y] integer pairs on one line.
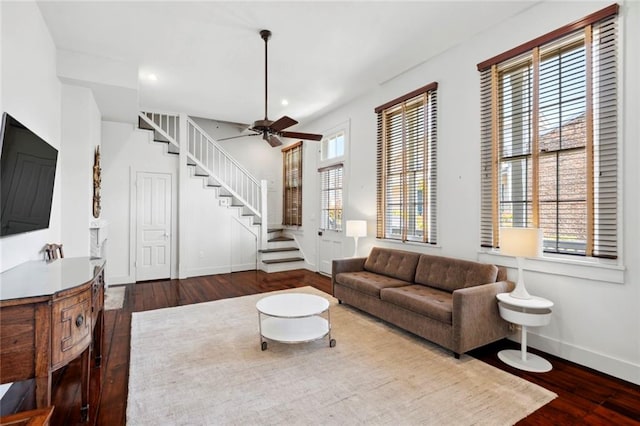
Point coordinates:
[[406, 176], [548, 136], [331, 197], [292, 185]]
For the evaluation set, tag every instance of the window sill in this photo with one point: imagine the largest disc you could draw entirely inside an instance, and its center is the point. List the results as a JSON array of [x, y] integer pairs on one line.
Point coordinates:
[[409, 243], [587, 268]]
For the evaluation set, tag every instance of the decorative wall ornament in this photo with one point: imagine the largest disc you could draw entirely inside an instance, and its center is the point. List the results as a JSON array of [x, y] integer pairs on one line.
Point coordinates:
[[96, 182]]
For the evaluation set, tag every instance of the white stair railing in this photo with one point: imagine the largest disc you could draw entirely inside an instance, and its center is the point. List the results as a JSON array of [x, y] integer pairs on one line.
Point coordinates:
[[215, 161], [224, 168], [166, 124]]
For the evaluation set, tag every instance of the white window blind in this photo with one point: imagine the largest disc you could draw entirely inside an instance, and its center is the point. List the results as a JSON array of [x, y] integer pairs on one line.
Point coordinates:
[[331, 197], [406, 170], [549, 141]]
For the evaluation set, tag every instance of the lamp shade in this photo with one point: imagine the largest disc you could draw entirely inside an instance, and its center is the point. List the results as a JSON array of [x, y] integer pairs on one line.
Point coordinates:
[[356, 228], [520, 242]]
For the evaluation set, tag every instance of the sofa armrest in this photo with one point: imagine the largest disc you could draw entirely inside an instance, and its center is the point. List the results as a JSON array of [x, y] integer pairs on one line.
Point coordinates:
[[475, 318], [353, 264]]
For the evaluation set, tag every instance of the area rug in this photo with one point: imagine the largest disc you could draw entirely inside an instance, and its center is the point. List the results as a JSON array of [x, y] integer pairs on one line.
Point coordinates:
[[114, 298], [202, 365]]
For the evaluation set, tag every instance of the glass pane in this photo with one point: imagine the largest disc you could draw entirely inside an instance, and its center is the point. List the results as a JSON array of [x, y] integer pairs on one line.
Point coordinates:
[[515, 192]]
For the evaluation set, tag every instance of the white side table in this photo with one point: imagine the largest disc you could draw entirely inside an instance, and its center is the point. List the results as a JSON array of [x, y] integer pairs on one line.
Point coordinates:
[[534, 312]]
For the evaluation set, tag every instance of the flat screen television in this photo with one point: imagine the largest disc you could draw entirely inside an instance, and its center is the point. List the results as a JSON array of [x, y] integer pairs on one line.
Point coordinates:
[[27, 175]]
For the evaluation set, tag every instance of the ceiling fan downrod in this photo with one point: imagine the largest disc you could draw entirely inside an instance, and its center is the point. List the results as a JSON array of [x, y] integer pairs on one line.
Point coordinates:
[[266, 35]]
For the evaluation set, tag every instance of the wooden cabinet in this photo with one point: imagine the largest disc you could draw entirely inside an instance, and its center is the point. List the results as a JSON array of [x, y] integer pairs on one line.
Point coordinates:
[[51, 313]]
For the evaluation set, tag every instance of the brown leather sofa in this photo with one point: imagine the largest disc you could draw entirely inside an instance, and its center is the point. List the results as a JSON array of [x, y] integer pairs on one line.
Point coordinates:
[[448, 301]]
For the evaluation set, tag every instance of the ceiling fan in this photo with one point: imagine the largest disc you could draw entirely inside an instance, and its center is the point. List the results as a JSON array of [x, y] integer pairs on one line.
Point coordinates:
[[271, 131]]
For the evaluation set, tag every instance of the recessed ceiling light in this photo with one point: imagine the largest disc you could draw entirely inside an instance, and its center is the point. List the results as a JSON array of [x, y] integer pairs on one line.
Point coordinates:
[[147, 76], [284, 102]]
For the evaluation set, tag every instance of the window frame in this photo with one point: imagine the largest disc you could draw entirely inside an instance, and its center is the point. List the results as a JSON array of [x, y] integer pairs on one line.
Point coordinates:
[[325, 208], [415, 146], [605, 21], [292, 184]]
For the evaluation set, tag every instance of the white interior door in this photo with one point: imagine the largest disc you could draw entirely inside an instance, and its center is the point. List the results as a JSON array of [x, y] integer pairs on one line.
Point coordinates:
[[153, 239], [330, 247]]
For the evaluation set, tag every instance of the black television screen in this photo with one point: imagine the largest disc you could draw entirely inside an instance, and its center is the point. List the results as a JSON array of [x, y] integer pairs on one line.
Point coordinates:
[[27, 174]]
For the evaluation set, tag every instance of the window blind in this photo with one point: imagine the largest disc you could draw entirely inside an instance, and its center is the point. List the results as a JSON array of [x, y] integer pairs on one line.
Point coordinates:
[[549, 141], [331, 182], [406, 169], [292, 185]]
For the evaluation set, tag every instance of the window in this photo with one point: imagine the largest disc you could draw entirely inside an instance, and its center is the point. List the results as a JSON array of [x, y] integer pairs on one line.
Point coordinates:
[[332, 147], [331, 197], [548, 136], [406, 170], [292, 182]]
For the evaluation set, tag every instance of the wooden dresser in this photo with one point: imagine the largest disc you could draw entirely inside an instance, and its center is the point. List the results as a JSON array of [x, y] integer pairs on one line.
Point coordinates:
[[50, 314]]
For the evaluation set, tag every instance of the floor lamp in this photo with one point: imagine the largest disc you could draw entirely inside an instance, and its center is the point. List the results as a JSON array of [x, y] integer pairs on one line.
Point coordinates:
[[356, 229]]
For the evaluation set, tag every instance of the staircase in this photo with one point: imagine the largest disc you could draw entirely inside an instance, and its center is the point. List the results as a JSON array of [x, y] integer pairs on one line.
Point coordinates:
[[235, 186], [281, 253]]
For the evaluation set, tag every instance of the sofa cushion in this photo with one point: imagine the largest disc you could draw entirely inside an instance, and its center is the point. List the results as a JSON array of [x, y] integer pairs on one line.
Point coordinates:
[[368, 282], [392, 263], [450, 274], [427, 301]]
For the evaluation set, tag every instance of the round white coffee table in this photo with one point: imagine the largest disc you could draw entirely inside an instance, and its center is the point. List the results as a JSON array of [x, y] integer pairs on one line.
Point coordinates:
[[293, 318]]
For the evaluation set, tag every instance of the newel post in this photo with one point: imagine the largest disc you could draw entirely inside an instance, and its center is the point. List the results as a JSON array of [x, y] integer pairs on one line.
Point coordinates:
[[183, 176], [263, 213]]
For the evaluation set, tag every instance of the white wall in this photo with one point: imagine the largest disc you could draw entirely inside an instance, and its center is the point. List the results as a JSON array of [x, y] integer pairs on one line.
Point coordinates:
[[596, 321], [31, 93], [126, 151], [218, 242], [215, 240], [80, 136]]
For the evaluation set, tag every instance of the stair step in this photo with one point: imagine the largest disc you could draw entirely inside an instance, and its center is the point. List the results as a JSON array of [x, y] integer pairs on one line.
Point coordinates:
[[289, 259], [278, 239], [275, 250], [143, 124], [158, 137], [274, 230]]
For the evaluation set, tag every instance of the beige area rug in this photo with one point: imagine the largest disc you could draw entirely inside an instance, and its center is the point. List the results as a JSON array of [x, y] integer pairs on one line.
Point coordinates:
[[202, 365], [114, 298]]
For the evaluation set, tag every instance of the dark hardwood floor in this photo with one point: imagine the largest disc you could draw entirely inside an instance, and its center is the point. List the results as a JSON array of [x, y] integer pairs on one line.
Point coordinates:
[[584, 396]]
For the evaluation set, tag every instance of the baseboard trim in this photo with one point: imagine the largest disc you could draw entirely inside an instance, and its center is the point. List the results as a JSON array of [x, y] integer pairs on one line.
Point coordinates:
[[122, 279], [607, 364], [216, 270]]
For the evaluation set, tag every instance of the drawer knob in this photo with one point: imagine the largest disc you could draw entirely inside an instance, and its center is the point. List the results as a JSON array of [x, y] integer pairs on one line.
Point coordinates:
[[79, 320]]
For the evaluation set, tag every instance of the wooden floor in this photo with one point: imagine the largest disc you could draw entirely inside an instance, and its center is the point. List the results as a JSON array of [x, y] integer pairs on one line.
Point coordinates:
[[584, 396]]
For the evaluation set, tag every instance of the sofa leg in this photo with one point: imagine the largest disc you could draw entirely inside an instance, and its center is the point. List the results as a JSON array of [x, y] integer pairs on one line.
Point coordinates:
[[457, 355], [339, 302]]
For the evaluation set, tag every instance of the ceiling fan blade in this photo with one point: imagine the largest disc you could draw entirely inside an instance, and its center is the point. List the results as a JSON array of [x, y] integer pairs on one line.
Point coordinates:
[[282, 123], [274, 140], [236, 137], [300, 135]]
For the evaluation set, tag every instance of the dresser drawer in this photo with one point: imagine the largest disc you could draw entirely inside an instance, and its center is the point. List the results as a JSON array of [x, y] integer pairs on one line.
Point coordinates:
[[70, 327]]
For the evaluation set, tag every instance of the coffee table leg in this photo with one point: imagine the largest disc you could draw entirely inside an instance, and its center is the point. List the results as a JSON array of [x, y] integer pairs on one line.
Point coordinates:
[[332, 342], [263, 343]]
